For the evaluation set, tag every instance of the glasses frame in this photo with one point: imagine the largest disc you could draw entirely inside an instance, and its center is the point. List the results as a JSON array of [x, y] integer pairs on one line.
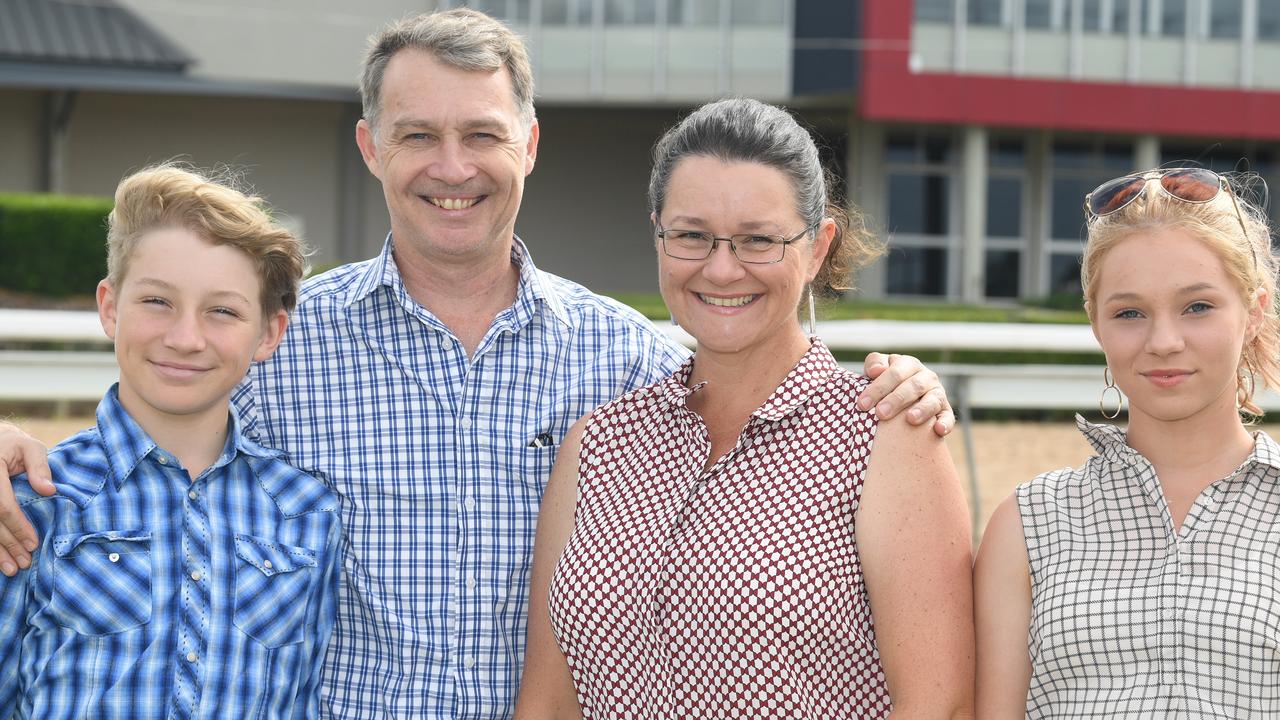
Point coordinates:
[[733, 247], [1160, 174]]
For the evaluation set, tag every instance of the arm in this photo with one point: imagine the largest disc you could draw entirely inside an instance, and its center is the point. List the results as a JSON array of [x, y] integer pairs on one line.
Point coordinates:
[[1002, 583], [19, 452], [15, 602], [913, 541], [308, 703], [546, 687], [901, 382]]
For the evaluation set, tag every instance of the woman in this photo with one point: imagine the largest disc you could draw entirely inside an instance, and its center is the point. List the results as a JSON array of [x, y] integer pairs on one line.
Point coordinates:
[[1143, 584], [740, 540]]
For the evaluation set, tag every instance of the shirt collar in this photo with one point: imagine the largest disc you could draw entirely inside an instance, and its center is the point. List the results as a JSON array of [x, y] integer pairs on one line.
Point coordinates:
[[814, 369], [1112, 443], [531, 290], [126, 443]]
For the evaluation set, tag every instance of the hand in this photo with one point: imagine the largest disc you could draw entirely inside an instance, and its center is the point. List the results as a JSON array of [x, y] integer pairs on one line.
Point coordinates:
[[901, 382], [19, 452]]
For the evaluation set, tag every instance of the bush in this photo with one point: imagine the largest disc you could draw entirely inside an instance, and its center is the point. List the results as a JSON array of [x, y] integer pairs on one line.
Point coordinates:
[[53, 245]]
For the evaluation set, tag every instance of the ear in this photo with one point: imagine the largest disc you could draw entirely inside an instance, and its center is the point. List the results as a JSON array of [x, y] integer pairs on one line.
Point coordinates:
[[368, 147], [531, 149], [653, 221], [107, 308], [821, 243], [272, 333]]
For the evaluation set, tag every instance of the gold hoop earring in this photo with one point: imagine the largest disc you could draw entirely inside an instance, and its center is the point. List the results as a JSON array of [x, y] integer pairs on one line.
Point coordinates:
[[1102, 401], [813, 316]]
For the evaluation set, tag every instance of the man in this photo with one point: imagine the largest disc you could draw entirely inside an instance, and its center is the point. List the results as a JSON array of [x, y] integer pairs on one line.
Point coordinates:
[[430, 385]]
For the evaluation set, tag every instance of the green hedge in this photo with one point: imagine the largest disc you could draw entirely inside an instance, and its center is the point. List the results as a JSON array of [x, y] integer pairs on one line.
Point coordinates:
[[53, 245]]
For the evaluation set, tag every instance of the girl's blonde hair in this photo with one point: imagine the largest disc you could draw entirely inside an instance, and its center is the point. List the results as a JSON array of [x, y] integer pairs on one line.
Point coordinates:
[[1245, 254]]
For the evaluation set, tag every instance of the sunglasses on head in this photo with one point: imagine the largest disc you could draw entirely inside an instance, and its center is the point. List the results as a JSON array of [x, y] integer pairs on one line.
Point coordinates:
[[1189, 185]]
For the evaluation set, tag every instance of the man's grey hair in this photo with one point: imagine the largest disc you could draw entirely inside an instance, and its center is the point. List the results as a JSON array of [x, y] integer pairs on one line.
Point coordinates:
[[461, 38]]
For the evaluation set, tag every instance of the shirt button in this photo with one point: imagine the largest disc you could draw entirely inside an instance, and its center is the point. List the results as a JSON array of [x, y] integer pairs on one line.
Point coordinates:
[[192, 494], [465, 424], [469, 663], [162, 460], [266, 563], [471, 583], [191, 657], [469, 503], [196, 576], [114, 557]]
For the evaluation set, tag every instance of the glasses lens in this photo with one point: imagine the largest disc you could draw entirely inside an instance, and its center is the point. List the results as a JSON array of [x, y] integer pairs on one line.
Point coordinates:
[[758, 248], [1195, 185], [687, 244], [1112, 195]]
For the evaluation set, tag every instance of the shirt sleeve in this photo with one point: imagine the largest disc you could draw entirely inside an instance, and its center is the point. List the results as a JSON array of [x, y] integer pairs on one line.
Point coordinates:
[[15, 599], [308, 704]]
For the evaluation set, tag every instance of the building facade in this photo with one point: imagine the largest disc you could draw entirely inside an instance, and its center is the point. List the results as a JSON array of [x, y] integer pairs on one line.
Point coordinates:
[[968, 131]]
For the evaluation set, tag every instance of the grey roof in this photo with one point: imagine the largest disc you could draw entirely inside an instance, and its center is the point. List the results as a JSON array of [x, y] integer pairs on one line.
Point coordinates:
[[100, 33]]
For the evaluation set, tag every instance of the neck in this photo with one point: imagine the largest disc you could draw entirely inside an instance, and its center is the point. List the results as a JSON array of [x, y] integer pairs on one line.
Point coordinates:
[[465, 293], [743, 380], [196, 439], [1214, 440]]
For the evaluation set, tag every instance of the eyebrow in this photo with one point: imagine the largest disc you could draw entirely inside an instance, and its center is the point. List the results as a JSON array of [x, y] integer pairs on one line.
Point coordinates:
[[220, 294], [746, 227], [1193, 288], [479, 123]]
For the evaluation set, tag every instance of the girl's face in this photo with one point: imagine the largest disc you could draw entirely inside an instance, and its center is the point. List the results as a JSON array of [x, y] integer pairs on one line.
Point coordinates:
[[1173, 324]]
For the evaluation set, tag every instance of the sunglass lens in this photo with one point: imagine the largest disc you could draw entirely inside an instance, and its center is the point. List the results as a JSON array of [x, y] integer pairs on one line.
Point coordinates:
[[1114, 194], [1195, 185]]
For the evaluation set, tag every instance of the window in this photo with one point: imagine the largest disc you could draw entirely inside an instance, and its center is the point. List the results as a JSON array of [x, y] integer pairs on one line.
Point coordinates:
[[693, 12], [629, 12], [566, 12], [1038, 14], [1120, 16], [943, 11], [1093, 16], [1269, 21], [1064, 274], [1173, 18], [920, 185], [507, 10], [1225, 18], [985, 12], [1002, 271], [1005, 241], [758, 13], [1077, 168]]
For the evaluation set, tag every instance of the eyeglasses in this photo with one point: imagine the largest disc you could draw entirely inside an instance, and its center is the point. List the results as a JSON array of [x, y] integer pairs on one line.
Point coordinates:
[[752, 249], [1189, 185]]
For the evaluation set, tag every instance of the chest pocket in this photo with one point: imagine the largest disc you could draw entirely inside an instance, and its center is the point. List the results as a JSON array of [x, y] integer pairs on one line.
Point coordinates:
[[102, 581], [273, 583]]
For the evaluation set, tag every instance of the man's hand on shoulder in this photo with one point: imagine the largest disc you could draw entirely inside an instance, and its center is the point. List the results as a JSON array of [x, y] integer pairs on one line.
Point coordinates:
[[902, 382], [19, 453]]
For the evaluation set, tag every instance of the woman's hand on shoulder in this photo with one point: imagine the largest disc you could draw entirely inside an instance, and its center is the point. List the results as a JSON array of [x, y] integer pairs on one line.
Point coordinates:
[[913, 539], [546, 686], [1002, 587]]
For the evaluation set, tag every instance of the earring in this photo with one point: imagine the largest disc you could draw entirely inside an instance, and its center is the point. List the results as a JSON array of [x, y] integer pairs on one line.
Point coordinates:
[[1111, 385], [813, 317], [1245, 382]]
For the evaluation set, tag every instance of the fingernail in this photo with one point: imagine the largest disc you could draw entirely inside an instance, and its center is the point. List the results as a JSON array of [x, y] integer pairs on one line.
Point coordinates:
[[24, 562], [863, 403], [7, 568], [883, 408], [29, 544], [913, 415]]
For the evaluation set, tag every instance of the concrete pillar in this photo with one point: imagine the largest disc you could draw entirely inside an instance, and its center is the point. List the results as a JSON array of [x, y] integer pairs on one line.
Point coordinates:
[[1146, 152], [866, 187], [1036, 264], [973, 190]]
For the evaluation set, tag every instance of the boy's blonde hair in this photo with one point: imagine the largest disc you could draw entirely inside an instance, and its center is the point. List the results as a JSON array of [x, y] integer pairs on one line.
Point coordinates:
[[172, 196], [1246, 257]]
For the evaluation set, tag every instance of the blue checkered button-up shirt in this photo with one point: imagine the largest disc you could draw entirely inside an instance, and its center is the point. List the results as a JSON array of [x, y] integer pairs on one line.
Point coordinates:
[[440, 460], [153, 595]]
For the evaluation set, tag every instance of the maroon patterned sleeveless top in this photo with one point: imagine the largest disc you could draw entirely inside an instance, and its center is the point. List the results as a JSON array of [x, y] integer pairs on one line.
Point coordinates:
[[733, 592]]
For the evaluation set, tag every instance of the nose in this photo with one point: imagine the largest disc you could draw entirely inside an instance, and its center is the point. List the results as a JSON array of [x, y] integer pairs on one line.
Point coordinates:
[[452, 164], [1165, 337], [185, 334], [722, 266]]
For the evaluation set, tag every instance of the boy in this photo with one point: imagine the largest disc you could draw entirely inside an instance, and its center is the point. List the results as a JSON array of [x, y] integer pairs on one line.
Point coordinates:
[[184, 571]]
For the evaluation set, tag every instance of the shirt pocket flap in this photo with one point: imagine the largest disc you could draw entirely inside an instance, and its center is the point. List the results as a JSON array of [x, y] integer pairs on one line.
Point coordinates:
[[115, 540], [273, 558]]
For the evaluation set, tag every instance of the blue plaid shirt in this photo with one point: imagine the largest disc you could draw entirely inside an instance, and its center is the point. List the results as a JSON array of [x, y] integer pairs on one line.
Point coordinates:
[[440, 461], [153, 595]]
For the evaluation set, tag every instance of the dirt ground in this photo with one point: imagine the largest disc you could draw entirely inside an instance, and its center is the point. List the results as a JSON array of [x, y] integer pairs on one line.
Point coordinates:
[[1006, 453]]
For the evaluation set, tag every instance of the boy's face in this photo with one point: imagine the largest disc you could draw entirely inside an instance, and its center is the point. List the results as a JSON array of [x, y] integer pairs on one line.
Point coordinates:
[[187, 321]]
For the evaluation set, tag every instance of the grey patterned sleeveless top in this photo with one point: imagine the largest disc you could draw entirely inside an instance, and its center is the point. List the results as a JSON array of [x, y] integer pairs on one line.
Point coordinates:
[[1131, 619]]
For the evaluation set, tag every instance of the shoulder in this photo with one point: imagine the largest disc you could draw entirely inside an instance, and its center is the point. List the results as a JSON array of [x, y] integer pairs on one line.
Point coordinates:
[[294, 491], [332, 290], [595, 313], [79, 466], [1055, 486]]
